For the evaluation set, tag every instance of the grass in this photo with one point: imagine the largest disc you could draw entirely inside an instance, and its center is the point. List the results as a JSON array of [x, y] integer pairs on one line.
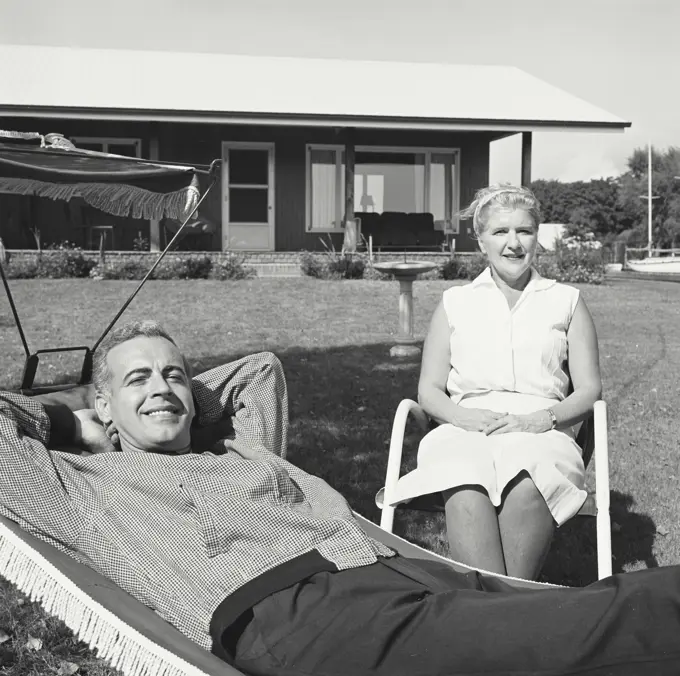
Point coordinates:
[[333, 339]]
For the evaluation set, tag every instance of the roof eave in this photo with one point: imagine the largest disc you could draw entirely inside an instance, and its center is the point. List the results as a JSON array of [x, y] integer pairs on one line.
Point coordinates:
[[315, 120]]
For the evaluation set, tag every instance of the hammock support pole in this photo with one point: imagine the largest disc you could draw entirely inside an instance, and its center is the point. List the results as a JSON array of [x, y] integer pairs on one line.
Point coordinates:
[[215, 168]]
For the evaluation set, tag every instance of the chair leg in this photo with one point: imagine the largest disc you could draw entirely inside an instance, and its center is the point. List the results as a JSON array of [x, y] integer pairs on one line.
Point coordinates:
[[405, 407], [604, 535]]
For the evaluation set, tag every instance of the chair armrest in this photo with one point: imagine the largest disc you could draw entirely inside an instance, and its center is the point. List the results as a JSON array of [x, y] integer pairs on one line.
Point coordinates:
[[406, 407], [604, 535]]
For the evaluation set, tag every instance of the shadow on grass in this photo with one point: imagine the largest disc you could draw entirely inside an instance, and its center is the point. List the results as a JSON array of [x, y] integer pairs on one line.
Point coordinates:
[[572, 559]]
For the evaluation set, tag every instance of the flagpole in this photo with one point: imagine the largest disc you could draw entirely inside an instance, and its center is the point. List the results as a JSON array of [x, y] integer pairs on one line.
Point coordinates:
[[649, 202]]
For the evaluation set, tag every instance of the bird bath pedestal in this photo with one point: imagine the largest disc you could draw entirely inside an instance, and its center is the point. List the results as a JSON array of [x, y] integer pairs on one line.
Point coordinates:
[[405, 273]]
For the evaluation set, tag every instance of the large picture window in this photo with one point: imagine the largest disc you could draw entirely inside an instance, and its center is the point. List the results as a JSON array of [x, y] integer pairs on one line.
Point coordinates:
[[395, 180]]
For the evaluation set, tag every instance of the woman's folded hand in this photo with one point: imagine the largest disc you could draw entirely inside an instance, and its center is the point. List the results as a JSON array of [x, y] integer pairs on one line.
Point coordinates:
[[476, 419], [534, 423]]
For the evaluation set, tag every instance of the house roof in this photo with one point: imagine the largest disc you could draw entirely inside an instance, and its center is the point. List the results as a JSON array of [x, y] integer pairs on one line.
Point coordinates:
[[159, 85]]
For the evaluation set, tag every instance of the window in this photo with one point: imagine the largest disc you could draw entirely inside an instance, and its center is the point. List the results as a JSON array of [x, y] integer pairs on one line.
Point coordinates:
[[389, 181], [402, 180], [131, 147], [325, 188]]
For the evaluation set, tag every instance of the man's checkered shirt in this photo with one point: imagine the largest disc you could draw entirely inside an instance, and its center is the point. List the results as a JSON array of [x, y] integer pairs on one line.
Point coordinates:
[[182, 533]]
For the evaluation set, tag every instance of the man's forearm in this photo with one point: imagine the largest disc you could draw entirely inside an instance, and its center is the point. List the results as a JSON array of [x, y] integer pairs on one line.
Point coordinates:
[[60, 407], [75, 398]]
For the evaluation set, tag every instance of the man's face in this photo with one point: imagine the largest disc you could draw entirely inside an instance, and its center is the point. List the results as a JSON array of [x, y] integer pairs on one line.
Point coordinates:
[[149, 398]]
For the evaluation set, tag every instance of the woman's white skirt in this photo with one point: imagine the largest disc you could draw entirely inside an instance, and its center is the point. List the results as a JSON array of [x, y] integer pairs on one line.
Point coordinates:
[[449, 456]]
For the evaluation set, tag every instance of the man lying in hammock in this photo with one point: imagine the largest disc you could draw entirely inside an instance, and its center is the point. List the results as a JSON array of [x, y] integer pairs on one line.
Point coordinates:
[[266, 566]]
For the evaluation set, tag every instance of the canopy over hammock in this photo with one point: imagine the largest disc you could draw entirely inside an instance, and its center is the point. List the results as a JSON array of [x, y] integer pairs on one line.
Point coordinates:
[[51, 166]]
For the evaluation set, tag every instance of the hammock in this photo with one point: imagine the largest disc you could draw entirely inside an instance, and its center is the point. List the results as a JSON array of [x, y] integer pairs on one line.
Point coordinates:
[[123, 631]]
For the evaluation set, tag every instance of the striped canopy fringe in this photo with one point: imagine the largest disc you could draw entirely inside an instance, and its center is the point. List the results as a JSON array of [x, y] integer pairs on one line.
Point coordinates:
[[119, 200], [115, 641]]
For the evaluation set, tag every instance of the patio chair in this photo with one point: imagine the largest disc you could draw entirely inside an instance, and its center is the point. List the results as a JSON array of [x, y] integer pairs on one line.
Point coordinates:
[[592, 438]]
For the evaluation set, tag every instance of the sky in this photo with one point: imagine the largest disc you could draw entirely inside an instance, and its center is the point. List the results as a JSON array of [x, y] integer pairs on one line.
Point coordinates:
[[621, 55]]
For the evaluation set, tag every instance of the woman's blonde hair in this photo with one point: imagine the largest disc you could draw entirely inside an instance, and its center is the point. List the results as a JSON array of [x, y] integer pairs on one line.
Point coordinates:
[[505, 196]]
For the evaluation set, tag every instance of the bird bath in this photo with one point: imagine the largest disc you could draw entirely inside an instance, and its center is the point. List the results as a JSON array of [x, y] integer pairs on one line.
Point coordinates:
[[405, 273]]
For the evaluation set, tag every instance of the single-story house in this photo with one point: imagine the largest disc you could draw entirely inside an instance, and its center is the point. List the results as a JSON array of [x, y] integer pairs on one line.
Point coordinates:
[[306, 144]]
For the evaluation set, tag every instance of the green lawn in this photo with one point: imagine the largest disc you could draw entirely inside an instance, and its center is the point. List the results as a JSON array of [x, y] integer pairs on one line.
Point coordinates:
[[333, 339]]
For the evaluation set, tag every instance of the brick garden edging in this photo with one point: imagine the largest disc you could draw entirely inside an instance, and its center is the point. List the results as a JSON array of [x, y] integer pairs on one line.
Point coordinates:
[[249, 257]]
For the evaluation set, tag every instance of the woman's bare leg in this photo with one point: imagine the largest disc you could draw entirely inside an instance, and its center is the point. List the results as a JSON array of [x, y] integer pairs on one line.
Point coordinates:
[[526, 528], [472, 529]]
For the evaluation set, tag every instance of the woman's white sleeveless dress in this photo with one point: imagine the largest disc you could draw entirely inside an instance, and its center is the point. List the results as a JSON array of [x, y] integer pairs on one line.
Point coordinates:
[[507, 360]]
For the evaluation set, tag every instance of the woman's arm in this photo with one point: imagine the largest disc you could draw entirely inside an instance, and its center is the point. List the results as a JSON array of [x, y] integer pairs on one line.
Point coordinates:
[[584, 369], [434, 372], [434, 369]]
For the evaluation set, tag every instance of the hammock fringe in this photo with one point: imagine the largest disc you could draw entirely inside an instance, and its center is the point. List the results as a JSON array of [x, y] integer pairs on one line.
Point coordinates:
[[119, 200], [115, 641]]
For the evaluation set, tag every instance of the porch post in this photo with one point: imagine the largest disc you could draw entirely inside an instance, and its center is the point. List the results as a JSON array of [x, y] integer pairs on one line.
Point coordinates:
[[350, 239], [526, 158], [154, 224]]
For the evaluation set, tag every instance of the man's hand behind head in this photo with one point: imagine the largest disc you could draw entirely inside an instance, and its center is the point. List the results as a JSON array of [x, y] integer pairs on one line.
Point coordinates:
[[91, 435]]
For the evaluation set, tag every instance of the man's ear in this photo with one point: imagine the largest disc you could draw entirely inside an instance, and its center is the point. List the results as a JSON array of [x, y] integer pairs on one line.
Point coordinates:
[[101, 405]]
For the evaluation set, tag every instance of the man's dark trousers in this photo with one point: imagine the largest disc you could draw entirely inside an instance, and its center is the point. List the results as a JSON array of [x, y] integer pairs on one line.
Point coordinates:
[[421, 618]]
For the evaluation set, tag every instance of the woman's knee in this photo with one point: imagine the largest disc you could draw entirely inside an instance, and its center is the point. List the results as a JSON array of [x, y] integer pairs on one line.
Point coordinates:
[[523, 491], [468, 499]]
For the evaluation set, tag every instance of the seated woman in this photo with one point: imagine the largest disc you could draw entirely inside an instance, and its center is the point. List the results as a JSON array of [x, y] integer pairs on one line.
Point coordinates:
[[498, 362]]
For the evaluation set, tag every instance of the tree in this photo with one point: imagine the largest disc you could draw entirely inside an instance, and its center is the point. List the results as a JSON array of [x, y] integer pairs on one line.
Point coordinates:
[[584, 206], [665, 209]]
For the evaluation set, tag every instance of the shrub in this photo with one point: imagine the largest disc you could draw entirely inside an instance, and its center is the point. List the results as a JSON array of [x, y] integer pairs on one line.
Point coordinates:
[[331, 265], [464, 267], [346, 267], [22, 268], [197, 268], [573, 263], [120, 269], [435, 273], [184, 268], [312, 265], [64, 260], [232, 267]]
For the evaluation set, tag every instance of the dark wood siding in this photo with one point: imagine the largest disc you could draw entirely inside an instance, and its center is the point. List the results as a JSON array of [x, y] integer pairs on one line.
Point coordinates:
[[201, 143]]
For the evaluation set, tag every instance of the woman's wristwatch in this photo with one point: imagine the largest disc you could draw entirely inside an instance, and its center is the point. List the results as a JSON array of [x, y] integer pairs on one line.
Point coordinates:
[[553, 418]]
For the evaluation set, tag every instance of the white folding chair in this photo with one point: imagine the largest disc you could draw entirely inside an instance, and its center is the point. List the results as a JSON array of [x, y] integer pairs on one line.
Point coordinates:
[[592, 438]]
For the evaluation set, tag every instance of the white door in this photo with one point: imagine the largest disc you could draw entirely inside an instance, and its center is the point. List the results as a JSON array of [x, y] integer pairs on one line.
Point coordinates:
[[248, 196]]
